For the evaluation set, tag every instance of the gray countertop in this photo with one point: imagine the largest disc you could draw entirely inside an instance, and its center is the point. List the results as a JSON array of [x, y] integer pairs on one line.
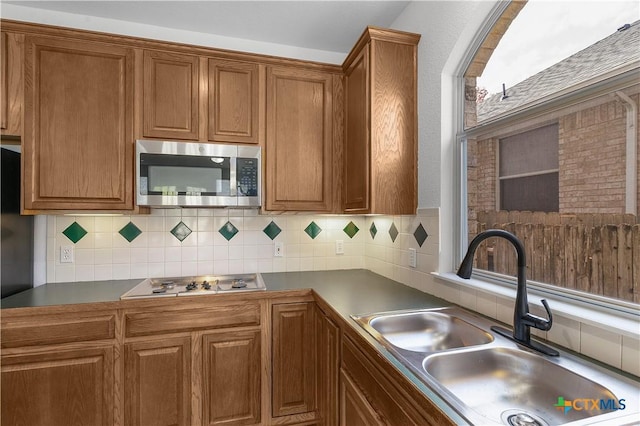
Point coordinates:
[[355, 291], [69, 293], [348, 292]]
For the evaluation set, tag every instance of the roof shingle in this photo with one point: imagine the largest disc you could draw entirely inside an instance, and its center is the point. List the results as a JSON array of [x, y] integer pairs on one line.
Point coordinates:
[[608, 54]]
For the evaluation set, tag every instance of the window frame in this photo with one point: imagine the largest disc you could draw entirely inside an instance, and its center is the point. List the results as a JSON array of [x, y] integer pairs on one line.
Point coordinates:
[[540, 109]]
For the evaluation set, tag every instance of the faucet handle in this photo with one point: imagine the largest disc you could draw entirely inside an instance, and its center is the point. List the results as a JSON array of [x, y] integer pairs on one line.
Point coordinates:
[[545, 324], [537, 322]]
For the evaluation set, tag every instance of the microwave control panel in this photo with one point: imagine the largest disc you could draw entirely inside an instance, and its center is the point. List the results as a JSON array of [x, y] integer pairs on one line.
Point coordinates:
[[247, 172]]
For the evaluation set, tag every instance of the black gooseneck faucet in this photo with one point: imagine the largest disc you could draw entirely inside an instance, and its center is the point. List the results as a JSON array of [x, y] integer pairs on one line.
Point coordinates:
[[522, 319]]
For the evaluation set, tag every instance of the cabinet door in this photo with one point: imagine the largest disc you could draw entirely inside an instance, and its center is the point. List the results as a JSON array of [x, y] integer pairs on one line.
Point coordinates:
[[299, 140], [394, 130], [294, 362], [355, 410], [231, 370], [170, 95], [357, 137], [78, 145], [11, 70], [234, 100], [328, 345], [64, 388], [158, 382]]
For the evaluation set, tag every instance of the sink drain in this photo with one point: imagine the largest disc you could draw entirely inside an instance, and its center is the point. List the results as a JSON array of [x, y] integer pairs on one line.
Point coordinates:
[[517, 417]]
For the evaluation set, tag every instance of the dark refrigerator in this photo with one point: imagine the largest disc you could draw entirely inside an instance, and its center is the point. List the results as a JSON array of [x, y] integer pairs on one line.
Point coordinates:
[[16, 231]]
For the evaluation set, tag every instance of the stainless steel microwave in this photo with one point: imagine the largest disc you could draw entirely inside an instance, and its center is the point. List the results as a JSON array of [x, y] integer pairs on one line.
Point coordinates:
[[186, 174]]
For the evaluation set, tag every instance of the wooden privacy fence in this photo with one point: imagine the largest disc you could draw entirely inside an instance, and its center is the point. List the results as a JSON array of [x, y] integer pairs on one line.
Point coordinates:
[[598, 254]]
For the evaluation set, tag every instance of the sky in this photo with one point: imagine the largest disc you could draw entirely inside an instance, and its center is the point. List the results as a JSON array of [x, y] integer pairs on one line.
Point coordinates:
[[546, 32]]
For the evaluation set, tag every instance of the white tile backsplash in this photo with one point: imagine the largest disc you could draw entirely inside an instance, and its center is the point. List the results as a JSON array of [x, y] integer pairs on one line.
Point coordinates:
[[105, 254], [631, 355], [601, 344]]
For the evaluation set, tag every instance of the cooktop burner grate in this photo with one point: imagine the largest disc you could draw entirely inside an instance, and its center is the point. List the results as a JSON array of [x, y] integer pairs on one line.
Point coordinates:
[[195, 286]]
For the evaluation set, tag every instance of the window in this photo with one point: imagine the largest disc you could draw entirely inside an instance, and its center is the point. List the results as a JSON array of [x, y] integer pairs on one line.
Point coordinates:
[[553, 158], [528, 170]]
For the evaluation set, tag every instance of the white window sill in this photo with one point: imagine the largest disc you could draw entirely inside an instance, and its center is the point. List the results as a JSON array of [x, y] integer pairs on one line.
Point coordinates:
[[606, 318]]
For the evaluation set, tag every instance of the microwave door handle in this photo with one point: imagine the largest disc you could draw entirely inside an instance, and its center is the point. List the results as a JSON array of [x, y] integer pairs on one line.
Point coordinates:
[[233, 180]]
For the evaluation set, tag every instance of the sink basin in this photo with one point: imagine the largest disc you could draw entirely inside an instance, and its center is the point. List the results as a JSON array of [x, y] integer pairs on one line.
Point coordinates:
[[506, 385], [425, 331], [491, 380]]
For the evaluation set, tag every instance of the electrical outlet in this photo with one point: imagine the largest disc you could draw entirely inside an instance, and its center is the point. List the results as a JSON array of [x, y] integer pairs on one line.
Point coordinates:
[[339, 246], [66, 254], [278, 249], [412, 257]]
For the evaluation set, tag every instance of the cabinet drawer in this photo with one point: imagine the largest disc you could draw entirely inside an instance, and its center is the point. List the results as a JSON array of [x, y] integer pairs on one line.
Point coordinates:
[[172, 321], [47, 330]]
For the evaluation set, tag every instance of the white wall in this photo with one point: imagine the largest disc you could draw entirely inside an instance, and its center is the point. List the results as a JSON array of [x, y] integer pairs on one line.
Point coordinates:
[[48, 17], [447, 28]]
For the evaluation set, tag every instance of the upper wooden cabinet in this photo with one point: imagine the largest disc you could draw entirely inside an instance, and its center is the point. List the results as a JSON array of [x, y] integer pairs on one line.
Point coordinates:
[[11, 81], [380, 146], [235, 92], [170, 95], [299, 146], [335, 139], [78, 137]]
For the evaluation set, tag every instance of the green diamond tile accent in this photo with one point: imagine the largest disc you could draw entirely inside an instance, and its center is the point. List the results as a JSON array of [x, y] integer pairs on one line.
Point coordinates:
[[351, 229], [313, 230], [420, 235], [74, 232], [373, 230], [272, 230], [130, 231], [228, 230], [181, 231], [393, 232]]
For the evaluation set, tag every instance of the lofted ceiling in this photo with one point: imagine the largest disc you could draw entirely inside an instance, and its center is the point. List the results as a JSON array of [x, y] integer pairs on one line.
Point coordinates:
[[323, 25]]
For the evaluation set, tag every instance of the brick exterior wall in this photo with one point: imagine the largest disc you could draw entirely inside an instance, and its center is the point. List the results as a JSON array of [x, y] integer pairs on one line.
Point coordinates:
[[592, 152], [592, 147], [486, 175]]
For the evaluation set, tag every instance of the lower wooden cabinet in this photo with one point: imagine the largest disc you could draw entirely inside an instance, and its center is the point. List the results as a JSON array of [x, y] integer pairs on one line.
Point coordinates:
[[284, 361], [294, 359], [193, 363], [328, 353], [372, 392], [158, 382], [231, 390], [58, 387], [355, 410]]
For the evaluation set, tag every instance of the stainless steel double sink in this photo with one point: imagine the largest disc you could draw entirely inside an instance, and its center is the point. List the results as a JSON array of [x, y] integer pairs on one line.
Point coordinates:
[[489, 379]]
